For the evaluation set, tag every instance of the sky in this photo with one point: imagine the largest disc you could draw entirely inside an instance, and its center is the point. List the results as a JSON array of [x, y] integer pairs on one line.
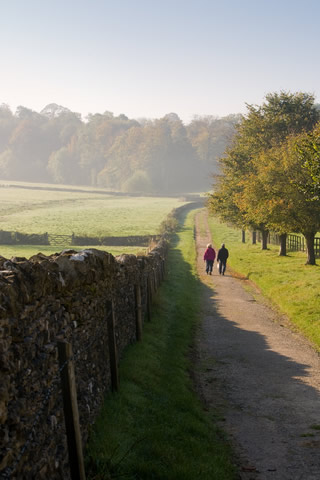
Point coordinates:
[[147, 58]]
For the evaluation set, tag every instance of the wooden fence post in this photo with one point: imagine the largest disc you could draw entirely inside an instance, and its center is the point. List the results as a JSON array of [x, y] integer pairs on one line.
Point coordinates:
[[71, 413], [137, 291], [113, 354], [158, 276], [149, 299], [155, 279], [161, 270]]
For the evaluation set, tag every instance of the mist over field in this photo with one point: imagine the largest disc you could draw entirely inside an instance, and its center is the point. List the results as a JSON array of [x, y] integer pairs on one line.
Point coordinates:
[[161, 156]]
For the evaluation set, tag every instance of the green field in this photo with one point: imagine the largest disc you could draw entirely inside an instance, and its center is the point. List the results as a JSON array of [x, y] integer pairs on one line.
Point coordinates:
[[82, 213], [27, 251], [37, 211]]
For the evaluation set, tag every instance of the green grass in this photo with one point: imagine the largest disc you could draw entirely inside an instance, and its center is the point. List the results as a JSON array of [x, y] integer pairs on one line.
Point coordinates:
[[28, 251], [94, 214], [292, 286], [155, 427], [82, 213]]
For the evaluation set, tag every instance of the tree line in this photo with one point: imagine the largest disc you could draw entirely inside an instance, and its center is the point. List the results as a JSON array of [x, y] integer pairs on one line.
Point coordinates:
[[270, 175], [115, 152]]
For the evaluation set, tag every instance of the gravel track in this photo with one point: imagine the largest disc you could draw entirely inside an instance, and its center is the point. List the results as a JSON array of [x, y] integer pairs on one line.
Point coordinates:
[[259, 376]]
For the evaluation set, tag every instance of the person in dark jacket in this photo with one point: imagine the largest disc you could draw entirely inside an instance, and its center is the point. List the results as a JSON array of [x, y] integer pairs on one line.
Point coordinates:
[[209, 256], [223, 254]]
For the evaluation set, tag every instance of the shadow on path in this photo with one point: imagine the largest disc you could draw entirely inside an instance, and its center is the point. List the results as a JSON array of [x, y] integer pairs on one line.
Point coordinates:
[[261, 377]]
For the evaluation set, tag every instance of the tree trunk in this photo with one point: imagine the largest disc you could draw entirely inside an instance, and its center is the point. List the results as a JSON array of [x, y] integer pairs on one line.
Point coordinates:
[[283, 245], [243, 236], [264, 243], [254, 237], [311, 258]]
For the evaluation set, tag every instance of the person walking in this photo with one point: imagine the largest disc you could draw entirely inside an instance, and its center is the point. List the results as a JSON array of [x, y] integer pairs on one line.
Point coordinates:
[[209, 256], [223, 254]]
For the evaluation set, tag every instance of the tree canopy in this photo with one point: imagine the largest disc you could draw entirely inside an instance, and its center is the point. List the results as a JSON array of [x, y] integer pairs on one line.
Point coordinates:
[[308, 150], [115, 152], [269, 174]]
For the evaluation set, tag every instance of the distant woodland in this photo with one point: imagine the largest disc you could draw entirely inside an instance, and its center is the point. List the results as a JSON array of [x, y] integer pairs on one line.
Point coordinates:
[[115, 152]]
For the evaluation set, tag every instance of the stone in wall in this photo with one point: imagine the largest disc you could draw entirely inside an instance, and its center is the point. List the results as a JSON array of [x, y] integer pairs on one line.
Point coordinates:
[[60, 297]]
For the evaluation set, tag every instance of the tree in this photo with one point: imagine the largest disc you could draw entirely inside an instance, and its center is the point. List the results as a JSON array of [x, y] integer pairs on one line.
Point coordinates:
[[273, 196], [7, 125], [281, 115], [52, 110], [228, 200], [308, 150], [139, 182], [95, 140], [7, 164], [161, 149], [28, 147], [307, 205], [209, 137], [63, 165], [263, 128]]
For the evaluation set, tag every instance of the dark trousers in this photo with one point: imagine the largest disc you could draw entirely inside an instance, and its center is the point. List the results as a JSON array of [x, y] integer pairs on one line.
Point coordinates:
[[222, 266], [209, 265]]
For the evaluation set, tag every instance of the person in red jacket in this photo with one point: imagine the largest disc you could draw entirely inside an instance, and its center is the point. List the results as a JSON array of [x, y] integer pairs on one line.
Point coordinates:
[[209, 256]]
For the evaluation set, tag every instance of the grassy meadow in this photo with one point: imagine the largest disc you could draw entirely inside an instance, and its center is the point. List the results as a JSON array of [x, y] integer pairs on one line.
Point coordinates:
[[291, 286], [82, 213]]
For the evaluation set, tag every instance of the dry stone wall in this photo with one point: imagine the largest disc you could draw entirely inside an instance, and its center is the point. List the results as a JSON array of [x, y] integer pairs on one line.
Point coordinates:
[[61, 297]]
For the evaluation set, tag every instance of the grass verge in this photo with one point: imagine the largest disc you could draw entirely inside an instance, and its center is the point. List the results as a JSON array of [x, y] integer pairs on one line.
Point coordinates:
[[292, 286], [155, 427]]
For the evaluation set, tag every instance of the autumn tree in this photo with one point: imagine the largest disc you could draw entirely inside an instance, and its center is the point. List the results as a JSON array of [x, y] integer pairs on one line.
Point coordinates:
[[308, 150], [273, 194], [63, 163], [161, 149], [263, 128], [161, 155], [210, 136], [7, 125]]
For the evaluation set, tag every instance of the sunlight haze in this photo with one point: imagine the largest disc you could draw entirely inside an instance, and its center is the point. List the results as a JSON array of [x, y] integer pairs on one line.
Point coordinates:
[[145, 58]]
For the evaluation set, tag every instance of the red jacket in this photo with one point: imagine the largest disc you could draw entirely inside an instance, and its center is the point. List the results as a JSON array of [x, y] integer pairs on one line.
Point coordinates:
[[209, 254]]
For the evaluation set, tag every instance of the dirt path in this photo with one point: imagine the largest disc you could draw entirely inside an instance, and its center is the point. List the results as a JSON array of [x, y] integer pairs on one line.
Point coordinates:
[[263, 379]]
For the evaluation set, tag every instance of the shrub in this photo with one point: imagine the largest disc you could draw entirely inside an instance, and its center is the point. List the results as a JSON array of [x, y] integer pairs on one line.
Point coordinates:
[[139, 182]]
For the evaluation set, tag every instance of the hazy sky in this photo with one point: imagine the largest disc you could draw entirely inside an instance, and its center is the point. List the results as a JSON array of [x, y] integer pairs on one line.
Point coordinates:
[[146, 58]]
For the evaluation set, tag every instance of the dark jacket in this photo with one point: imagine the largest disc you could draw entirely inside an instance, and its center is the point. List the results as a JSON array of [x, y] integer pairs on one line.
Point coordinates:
[[223, 254]]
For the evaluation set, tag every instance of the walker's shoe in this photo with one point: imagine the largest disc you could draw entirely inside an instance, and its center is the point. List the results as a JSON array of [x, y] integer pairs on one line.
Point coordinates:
[[210, 273]]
